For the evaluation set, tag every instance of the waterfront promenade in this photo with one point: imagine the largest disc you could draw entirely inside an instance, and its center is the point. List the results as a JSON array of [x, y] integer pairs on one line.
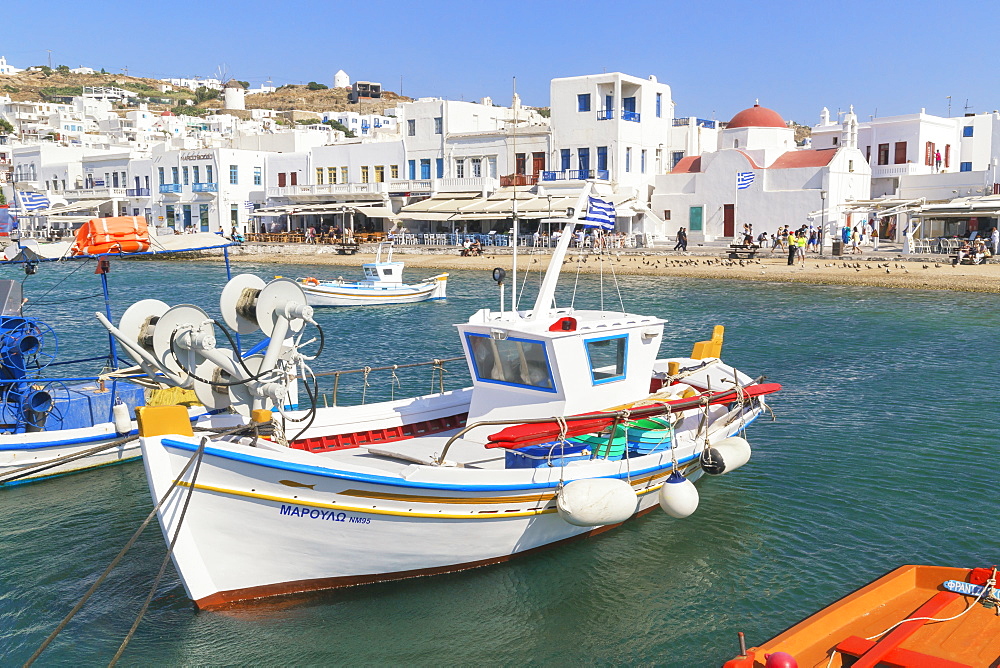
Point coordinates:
[[886, 267]]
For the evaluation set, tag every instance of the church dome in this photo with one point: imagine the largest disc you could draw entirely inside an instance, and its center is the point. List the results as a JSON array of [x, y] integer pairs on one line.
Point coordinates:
[[757, 117]]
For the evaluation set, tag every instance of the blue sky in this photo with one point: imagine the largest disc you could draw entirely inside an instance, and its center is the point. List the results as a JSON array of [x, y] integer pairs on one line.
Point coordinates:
[[884, 57]]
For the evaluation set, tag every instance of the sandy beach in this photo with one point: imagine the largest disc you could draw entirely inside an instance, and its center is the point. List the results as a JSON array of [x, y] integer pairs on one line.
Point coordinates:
[[876, 270]]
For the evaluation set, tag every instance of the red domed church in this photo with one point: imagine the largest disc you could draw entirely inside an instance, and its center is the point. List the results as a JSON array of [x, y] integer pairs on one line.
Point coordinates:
[[759, 176]]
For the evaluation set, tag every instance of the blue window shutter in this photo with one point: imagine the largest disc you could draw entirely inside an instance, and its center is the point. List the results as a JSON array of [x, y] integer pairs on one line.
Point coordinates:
[[412, 165], [440, 167]]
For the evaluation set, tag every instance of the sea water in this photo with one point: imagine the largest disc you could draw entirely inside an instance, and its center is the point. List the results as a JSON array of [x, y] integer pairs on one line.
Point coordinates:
[[882, 452]]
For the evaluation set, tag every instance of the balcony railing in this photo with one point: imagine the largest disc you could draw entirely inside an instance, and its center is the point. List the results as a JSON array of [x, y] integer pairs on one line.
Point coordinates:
[[205, 187], [701, 122], [468, 184], [325, 189], [410, 186], [605, 114], [630, 116], [137, 192], [518, 180], [92, 193], [576, 175], [170, 188]]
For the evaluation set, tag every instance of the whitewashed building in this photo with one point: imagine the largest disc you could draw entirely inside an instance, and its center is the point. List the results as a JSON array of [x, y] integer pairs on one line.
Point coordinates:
[[616, 129], [206, 190], [6, 69], [898, 146], [781, 185]]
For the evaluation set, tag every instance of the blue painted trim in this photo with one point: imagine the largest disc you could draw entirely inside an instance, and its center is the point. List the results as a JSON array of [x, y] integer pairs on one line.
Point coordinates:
[[78, 441], [612, 379], [384, 480], [479, 376], [398, 482], [68, 441]]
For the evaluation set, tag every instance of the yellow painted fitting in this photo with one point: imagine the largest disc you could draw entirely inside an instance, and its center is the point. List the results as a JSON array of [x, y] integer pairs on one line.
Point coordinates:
[[710, 348], [688, 393], [163, 421], [673, 368], [260, 415]]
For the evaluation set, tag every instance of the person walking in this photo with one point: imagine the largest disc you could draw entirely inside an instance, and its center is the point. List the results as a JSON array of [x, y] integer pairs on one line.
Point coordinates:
[[856, 241], [995, 241], [793, 248], [682, 240]]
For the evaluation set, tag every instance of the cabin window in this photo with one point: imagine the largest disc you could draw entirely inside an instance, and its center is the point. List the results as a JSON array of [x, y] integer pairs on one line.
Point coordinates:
[[607, 358], [518, 362]]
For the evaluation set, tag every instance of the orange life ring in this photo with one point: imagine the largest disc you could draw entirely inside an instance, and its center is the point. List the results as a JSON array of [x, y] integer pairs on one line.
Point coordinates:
[[310, 281]]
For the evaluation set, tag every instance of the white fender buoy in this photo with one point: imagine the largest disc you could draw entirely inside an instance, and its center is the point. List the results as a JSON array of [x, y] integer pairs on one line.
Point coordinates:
[[727, 455], [678, 497], [594, 502], [122, 420]]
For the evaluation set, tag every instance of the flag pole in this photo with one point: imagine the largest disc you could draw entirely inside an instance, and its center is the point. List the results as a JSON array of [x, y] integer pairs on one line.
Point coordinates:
[[736, 208]]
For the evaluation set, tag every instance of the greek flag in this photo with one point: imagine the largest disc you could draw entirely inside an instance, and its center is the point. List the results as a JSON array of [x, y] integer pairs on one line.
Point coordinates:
[[601, 213], [248, 205], [743, 180], [32, 201]]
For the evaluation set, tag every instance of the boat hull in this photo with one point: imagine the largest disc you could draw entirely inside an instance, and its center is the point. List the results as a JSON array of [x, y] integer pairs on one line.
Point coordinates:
[[358, 294], [18, 451], [321, 522]]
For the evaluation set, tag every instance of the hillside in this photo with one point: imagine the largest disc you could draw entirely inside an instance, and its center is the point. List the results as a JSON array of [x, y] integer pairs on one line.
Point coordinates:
[[39, 87], [331, 99]]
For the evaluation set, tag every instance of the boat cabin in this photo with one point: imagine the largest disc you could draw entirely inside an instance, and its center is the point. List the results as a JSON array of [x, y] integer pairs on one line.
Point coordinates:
[[566, 363], [383, 272]]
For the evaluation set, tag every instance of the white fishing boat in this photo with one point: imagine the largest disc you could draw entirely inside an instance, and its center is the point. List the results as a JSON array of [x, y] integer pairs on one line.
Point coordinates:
[[383, 284], [572, 425], [53, 424]]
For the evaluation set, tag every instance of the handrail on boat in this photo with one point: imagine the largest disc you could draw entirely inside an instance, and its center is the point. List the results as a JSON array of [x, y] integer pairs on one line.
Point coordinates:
[[635, 412], [388, 368], [438, 367]]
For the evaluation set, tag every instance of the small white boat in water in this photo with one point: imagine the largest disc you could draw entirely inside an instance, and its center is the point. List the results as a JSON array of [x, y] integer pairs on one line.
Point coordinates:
[[572, 426], [383, 284]]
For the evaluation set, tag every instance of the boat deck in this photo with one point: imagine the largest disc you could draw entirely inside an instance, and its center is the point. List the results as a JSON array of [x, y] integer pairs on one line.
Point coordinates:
[[424, 450], [850, 626]]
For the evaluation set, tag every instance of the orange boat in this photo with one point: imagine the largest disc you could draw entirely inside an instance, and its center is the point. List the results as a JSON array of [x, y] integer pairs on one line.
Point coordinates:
[[915, 616]]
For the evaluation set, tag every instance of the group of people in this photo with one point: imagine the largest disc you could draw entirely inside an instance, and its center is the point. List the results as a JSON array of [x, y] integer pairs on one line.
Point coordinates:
[[979, 249], [805, 239], [471, 248], [313, 236]]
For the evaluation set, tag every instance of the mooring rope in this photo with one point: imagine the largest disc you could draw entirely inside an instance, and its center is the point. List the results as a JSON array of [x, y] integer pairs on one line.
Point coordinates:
[[38, 467], [114, 562], [166, 559]]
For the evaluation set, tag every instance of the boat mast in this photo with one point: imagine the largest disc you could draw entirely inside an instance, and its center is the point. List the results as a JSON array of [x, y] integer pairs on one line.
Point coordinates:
[[514, 231], [547, 293]]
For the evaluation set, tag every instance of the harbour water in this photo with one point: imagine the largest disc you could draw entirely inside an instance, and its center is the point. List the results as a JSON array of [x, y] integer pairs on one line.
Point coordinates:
[[883, 452]]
